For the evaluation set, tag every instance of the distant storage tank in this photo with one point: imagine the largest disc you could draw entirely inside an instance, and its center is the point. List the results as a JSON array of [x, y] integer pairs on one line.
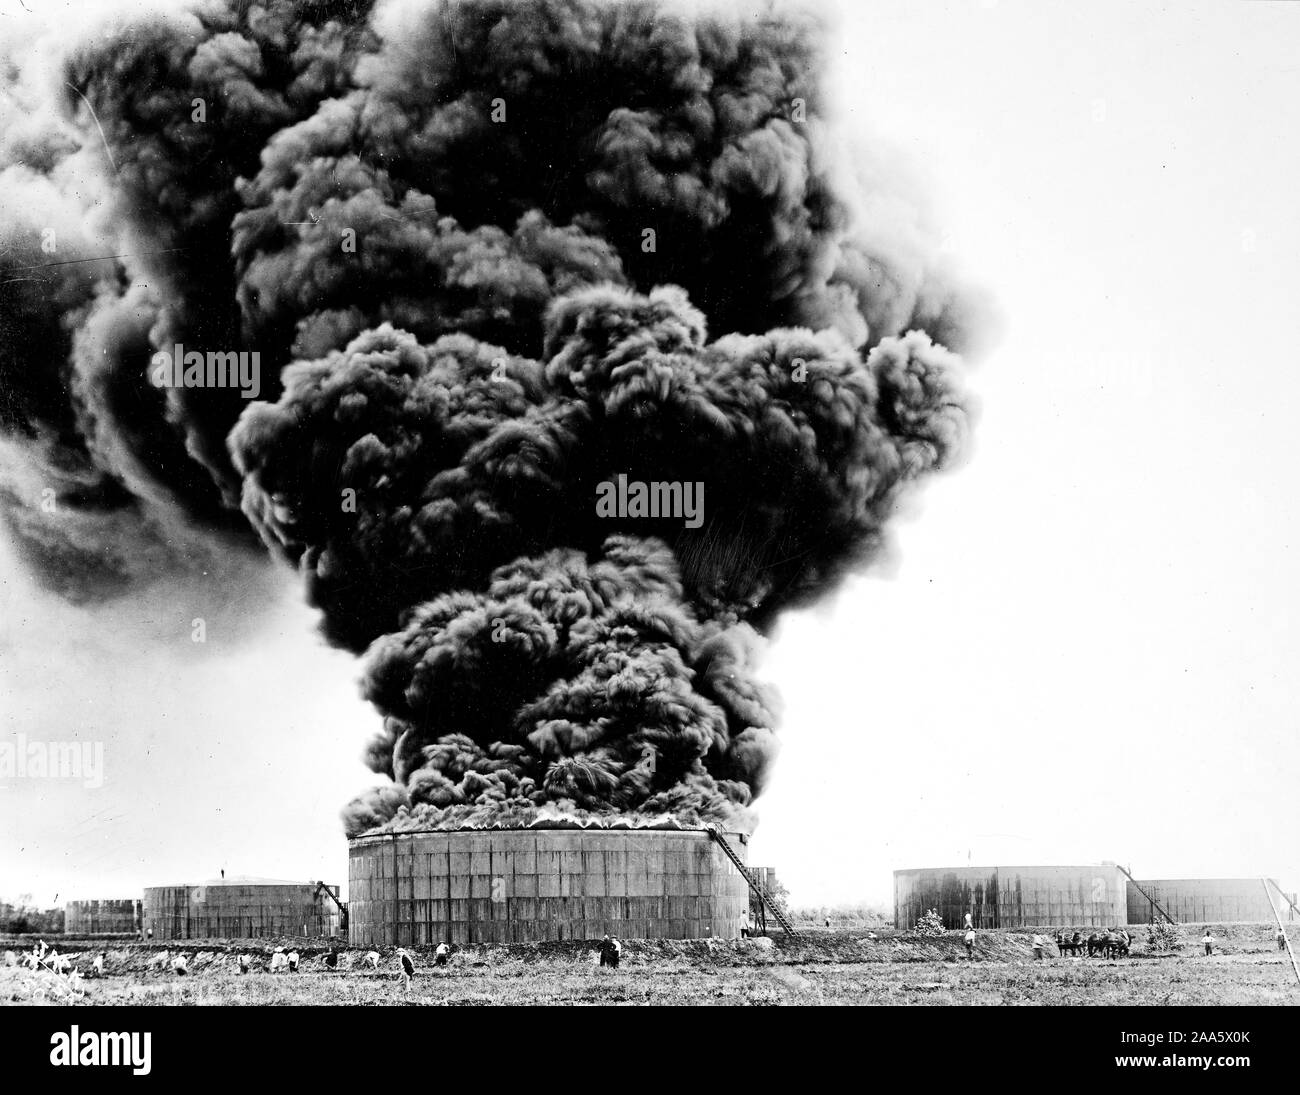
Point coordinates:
[[765, 877], [526, 885], [1013, 897], [240, 908], [1207, 900], [112, 916]]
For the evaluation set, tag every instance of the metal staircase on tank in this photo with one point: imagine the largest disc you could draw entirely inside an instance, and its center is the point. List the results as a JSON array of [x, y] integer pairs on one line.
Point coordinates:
[[1151, 900], [758, 888]]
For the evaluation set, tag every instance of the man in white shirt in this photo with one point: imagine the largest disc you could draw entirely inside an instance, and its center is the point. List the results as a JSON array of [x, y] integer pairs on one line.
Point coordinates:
[[1038, 946]]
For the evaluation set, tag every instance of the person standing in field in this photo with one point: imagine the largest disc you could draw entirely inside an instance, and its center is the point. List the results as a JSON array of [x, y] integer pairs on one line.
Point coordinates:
[[1281, 939], [743, 923], [968, 925], [970, 941], [1208, 940], [1038, 947]]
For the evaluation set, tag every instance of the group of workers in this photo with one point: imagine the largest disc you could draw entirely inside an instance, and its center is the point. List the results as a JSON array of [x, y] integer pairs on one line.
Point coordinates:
[[1039, 941], [610, 952], [43, 956]]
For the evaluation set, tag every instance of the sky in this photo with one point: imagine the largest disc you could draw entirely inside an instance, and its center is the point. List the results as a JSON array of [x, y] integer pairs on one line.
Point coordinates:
[[1078, 648]]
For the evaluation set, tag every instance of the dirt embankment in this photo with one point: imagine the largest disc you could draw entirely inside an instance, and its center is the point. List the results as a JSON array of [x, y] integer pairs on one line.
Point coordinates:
[[809, 948]]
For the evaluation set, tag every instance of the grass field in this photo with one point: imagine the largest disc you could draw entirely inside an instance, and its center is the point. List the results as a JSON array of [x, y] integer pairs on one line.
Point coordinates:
[[822, 968]]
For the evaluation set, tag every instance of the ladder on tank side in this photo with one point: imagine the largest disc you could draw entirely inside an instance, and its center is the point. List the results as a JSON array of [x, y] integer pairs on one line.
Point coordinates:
[[1156, 904], [758, 888]]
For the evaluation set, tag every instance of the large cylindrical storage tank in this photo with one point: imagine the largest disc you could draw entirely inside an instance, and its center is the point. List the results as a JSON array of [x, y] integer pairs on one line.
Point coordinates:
[[528, 885], [240, 908], [109, 916], [1013, 897], [1207, 901]]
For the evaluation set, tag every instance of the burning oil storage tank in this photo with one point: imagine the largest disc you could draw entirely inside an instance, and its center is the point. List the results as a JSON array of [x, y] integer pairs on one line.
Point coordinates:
[[241, 908], [109, 916], [527, 885], [1208, 900], [1013, 897]]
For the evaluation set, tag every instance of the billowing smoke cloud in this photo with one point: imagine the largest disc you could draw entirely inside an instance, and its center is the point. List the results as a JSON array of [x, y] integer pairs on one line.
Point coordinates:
[[492, 256]]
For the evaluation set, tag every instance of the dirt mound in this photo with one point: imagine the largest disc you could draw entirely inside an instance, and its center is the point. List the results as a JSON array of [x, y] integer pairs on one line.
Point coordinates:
[[812, 947]]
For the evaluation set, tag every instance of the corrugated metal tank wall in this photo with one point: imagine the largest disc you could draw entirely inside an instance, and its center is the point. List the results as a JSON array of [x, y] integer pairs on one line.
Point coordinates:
[[1206, 900], [101, 917], [1013, 897], [519, 886], [232, 910]]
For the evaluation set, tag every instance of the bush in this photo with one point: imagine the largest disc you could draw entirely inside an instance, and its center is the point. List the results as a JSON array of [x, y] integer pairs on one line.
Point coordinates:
[[1164, 936], [930, 924]]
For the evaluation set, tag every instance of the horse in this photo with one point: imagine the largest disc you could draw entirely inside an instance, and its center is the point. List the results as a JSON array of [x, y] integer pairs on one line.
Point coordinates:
[[1112, 943], [1067, 945]]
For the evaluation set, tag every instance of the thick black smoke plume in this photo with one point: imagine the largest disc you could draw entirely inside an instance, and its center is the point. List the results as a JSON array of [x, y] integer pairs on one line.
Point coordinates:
[[492, 255]]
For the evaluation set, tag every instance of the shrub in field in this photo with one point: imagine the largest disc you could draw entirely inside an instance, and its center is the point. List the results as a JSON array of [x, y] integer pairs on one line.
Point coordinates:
[[930, 924], [1164, 936]]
